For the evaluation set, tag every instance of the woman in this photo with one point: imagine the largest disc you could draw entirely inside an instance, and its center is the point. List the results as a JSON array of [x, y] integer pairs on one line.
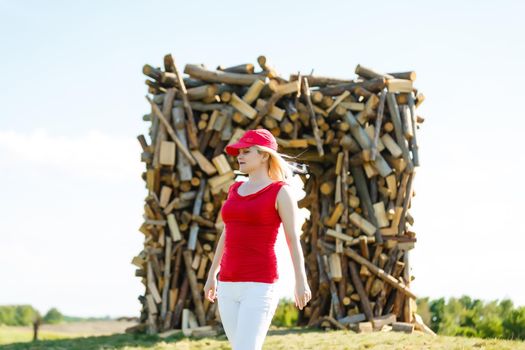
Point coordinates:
[[245, 257]]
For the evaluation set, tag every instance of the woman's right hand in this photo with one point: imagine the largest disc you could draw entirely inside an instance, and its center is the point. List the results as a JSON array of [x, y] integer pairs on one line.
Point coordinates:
[[210, 288]]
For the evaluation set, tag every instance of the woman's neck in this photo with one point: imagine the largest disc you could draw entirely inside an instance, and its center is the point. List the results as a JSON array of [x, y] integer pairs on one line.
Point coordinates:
[[259, 177]]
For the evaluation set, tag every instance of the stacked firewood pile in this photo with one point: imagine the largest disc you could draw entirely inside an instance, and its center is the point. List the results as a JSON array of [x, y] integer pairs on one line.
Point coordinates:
[[358, 138]]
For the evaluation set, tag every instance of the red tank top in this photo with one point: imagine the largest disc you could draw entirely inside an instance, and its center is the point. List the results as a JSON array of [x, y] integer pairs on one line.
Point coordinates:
[[251, 224]]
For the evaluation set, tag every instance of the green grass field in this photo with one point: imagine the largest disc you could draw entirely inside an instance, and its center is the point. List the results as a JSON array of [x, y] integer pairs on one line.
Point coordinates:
[[288, 338]]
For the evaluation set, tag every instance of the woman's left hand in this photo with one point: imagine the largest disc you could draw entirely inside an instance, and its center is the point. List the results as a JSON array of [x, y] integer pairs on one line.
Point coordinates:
[[302, 294]]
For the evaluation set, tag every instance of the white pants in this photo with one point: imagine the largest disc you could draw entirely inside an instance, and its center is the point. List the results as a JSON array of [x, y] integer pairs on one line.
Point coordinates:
[[246, 310]]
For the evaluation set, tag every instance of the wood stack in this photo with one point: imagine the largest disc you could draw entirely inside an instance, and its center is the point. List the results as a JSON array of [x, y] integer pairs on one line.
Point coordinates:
[[358, 138]]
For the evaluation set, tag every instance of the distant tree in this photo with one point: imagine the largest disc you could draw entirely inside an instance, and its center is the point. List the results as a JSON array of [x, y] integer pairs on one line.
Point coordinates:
[[25, 314], [491, 326], [53, 316], [506, 306], [460, 317], [17, 315], [466, 301], [514, 324], [489, 323], [7, 315], [437, 308]]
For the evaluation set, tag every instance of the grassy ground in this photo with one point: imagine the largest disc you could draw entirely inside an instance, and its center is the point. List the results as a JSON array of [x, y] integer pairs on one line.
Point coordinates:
[[287, 339]]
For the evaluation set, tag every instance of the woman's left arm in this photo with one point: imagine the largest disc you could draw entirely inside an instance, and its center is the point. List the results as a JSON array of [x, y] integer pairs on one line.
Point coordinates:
[[287, 208]]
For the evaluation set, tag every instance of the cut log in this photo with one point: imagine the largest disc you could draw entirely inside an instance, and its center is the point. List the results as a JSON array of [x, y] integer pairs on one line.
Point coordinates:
[[198, 72]]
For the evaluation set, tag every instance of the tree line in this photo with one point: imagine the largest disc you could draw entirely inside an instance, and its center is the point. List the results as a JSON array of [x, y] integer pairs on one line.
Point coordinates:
[[461, 316]]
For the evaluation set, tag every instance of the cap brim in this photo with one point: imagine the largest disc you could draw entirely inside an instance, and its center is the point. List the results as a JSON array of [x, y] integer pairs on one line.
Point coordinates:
[[233, 149]]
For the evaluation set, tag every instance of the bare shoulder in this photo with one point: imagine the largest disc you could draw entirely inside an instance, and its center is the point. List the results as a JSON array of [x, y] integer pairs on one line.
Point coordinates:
[[284, 195], [284, 185]]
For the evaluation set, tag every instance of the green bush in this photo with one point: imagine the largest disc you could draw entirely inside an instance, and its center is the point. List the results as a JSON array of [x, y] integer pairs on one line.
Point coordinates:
[[469, 317], [17, 315], [286, 314], [53, 316], [514, 324]]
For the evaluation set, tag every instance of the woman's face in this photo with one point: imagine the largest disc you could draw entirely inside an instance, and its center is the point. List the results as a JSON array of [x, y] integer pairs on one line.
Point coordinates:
[[249, 159]]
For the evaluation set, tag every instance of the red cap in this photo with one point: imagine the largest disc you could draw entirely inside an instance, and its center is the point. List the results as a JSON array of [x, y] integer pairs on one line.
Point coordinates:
[[261, 137]]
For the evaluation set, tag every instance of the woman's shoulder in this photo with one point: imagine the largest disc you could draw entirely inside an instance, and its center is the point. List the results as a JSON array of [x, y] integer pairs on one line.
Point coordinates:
[[282, 186], [282, 183]]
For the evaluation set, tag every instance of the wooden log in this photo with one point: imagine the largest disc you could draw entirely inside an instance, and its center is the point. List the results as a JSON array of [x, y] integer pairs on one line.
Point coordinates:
[[319, 80], [243, 107], [166, 100], [269, 71], [263, 111], [353, 106], [167, 153], [195, 292], [379, 120], [413, 141], [364, 195], [198, 72], [158, 113], [396, 119], [183, 165], [363, 298], [403, 327], [253, 92], [204, 163], [410, 75], [421, 326], [201, 106], [391, 145], [191, 127], [306, 91], [338, 100], [369, 73], [274, 112], [406, 202], [336, 305], [362, 327], [194, 229], [246, 68], [330, 320], [380, 214], [380, 321], [399, 85], [351, 241], [373, 85], [201, 92], [167, 274], [364, 141], [313, 120], [380, 273], [336, 214], [352, 319], [362, 223], [288, 88], [152, 72]]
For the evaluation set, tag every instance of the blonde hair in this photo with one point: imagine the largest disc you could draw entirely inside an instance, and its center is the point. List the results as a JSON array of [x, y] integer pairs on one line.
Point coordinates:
[[280, 169]]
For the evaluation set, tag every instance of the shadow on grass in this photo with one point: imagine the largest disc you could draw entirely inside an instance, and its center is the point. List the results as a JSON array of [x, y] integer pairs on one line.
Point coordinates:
[[119, 341], [293, 330], [116, 341]]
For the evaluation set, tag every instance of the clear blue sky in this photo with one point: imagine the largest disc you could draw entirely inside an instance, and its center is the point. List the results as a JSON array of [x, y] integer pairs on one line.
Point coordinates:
[[72, 101]]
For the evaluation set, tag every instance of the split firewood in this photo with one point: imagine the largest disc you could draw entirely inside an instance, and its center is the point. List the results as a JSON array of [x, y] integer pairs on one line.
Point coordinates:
[[192, 130], [358, 137]]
